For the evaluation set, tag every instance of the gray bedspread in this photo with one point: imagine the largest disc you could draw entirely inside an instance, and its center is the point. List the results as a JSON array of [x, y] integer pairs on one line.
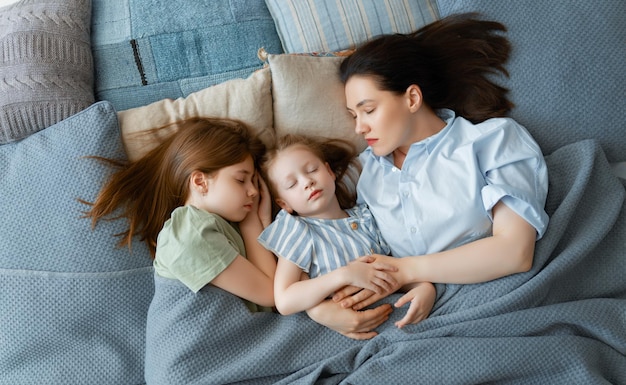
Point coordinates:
[[564, 322]]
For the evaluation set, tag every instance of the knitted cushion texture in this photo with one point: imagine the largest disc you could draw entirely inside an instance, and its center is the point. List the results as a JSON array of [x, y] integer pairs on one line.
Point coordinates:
[[46, 67]]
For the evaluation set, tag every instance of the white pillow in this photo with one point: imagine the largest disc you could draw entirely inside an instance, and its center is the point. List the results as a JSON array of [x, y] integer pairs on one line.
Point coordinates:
[[248, 100]]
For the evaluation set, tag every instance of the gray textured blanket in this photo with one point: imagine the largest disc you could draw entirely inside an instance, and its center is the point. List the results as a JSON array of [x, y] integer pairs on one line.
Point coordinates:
[[564, 322]]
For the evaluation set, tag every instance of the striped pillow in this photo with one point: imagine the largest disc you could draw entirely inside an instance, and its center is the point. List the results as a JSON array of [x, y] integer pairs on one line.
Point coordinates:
[[333, 25]]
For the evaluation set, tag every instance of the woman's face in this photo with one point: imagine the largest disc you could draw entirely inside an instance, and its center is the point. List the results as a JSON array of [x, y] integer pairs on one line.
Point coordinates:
[[384, 118]]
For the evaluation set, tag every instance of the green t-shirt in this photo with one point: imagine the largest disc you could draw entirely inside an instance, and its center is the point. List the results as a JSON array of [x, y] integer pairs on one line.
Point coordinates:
[[195, 246]]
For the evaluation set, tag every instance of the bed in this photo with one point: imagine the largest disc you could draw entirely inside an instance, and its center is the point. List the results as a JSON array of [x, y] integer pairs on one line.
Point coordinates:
[[84, 77]]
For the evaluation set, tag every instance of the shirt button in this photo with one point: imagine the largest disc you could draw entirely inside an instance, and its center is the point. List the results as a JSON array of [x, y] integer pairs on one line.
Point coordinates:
[[406, 193], [413, 230], [354, 225]]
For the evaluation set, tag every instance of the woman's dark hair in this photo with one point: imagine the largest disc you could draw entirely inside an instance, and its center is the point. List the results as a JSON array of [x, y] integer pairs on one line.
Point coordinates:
[[451, 60]]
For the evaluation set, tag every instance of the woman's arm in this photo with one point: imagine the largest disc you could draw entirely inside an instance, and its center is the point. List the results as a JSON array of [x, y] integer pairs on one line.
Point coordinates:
[[294, 295], [509, 250]]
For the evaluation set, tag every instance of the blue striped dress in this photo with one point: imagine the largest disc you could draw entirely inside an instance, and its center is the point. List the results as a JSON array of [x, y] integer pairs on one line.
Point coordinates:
[[319, 246]]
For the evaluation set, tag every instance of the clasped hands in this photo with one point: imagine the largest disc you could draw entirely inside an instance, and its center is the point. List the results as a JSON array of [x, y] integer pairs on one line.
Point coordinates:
[[387, 278]]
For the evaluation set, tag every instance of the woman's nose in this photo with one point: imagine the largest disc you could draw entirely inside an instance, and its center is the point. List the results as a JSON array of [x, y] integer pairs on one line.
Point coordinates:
[[359, 127]]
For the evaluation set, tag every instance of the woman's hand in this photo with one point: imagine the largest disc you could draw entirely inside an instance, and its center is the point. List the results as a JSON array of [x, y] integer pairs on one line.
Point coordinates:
[[358, 298], [358, 325], [422, 298], [370, 274]]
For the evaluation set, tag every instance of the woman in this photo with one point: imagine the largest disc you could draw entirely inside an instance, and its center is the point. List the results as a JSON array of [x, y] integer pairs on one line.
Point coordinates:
[[457, 189]]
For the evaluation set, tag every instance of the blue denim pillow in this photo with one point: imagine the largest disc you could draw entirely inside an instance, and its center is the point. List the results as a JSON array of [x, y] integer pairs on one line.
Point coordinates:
[[148, 50], [74, 305], [567, 68]]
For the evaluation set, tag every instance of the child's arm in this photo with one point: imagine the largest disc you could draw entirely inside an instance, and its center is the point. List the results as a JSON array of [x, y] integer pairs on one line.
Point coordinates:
[[294, 295], [245, 280], [253, 225], [252, 278]]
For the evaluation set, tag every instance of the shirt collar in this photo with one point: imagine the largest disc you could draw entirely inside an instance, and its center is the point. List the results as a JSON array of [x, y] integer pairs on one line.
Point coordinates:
[[445, 114]]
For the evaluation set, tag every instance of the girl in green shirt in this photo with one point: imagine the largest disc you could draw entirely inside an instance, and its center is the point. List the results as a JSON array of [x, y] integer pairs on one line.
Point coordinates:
[[199, 204]]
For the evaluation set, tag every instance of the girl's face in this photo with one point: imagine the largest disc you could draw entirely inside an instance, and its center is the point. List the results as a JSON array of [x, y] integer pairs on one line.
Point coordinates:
[[385, 119], [231, 191], [303, 182]]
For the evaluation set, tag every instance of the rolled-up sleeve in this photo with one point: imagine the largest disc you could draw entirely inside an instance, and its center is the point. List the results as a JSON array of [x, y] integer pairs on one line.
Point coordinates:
[[515, 172]]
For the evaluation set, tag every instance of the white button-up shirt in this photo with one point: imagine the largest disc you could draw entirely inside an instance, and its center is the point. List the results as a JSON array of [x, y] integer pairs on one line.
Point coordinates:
[[443, 195]]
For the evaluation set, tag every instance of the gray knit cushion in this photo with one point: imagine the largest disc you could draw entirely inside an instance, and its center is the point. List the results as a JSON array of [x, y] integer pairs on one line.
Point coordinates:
[[46, 66]]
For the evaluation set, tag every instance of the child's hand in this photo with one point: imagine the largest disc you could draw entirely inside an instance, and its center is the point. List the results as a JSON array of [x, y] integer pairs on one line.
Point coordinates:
[[262, 206], [374, 276], [265, 202], [359, 298], [422, 298]]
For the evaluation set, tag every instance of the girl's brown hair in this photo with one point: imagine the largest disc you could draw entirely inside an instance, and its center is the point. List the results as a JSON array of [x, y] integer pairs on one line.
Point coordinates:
[[339, 154], [452, 60], [146, 191]]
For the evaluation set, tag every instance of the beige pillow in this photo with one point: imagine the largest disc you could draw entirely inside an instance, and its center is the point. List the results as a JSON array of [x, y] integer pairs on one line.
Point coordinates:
[[309, 97], [248, 100]]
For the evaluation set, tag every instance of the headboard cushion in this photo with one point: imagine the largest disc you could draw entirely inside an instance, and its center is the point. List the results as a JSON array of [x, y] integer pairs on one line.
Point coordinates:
[[148, 50], [329, 25]]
